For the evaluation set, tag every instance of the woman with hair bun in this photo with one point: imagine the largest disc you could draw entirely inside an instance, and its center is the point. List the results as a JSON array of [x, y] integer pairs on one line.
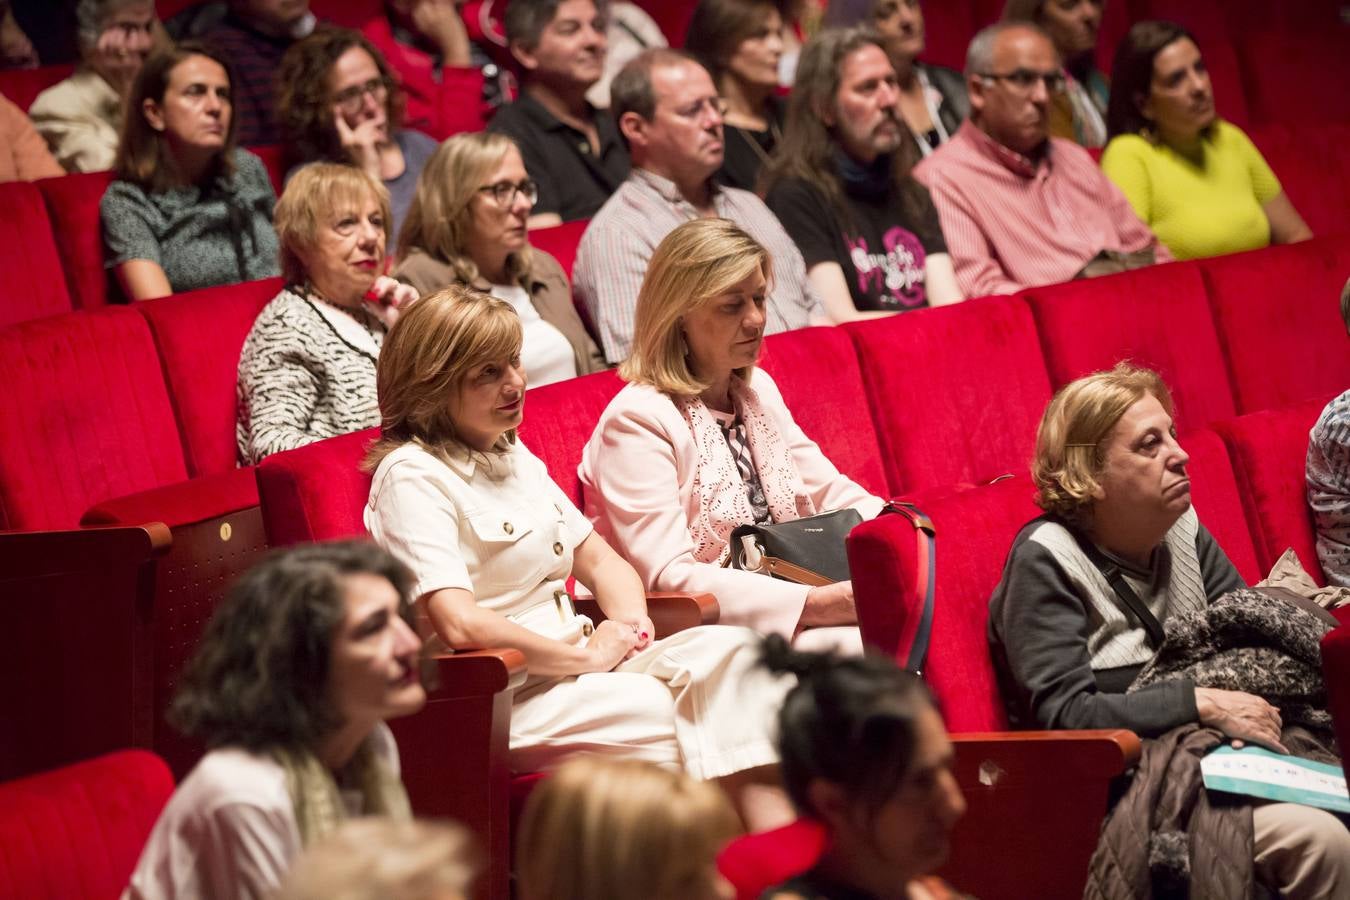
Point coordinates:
[[865, 753]]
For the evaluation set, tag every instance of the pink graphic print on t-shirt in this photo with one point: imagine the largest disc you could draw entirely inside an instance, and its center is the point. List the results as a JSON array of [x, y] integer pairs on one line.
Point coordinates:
[[895, 277]]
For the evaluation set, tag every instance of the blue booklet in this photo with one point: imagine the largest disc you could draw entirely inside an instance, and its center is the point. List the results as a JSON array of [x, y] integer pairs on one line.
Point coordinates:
[[1257, 772]]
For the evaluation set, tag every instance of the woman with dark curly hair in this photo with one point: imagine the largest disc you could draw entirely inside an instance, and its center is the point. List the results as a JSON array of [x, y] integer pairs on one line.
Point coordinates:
[[298, 669], [338, 101]]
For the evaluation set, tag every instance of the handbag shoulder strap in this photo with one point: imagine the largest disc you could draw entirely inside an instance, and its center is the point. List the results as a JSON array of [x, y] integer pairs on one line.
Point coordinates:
[[1116, 578], [925, 580]]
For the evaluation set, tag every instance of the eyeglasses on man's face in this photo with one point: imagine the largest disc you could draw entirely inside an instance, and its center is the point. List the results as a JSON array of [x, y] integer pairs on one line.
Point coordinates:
[[350, 99], [1025, 80], [504, 192]]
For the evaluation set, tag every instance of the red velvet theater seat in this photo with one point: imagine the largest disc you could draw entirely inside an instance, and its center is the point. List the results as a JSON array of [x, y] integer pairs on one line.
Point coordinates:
[[1336, 670], [76, 833], [754, 863], [1297, 77], [1218, 501], [559, 419], [1309, 159], [1035, 798], [72, 204], [561, 242], [817, 371], [1278, 317], [1269, 452], [955, 392], [948, 28], [316, 492], [21, 86], [1156, 317], [35, 285]]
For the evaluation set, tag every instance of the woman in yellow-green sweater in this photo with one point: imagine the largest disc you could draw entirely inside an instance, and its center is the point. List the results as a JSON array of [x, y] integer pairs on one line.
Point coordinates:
[[1196, 180]]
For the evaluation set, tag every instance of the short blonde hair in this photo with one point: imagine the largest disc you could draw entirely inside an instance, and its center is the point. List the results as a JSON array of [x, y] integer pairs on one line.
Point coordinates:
[[382, 859], [314, 195], [1069, 444], [611, 829], [440, 219], [424, 361], [696, 263]]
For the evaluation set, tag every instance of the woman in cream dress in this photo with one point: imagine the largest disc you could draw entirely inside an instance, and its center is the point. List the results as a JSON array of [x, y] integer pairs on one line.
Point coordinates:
[[491, 541]]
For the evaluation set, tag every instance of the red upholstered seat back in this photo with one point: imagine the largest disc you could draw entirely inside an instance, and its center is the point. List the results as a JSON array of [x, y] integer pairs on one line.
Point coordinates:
[[72, 204], [975, 528], [316, 492], [1156, 317], [1336, 671], [956, 393], [21, 86], [273, 158], [756, 862], [1218, 502], [35, 284], [199, 335], [1297, 77], [816, 369], [672, 16], [561, 242], [1269, 451], [948, 28], [559, 419], [1278, 319], [84, 416], [75, 833], [1309, 159]]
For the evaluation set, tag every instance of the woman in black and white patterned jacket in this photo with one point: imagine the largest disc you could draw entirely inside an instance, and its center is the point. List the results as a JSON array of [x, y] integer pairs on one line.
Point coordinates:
[[307, 370]]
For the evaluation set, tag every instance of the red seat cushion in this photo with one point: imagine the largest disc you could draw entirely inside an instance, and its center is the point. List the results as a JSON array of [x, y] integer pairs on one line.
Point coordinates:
[[561, 242], [77, 832], [1300, 77], [948, 28], [316, 492], [184, 503], [756, 862], [35, 284], [559, 419], [1277, 316], [1309, 159], [956, 393], [1156, 317], [816, 369], [975, 528], [273, 158], [72, 205], [199, 335], [84, 416], [1269, 451]]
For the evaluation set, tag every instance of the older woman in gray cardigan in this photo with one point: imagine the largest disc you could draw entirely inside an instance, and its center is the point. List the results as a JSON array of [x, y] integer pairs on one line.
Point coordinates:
[[307, 369]]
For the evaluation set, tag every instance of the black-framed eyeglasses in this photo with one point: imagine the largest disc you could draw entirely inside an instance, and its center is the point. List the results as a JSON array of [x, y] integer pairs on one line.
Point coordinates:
[[350, 99], [1025, 80], [504, 192]]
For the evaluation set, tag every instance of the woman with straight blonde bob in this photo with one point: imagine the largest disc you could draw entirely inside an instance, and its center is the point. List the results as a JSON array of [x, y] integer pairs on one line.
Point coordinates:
[[467, 226], [607, 829], [700, 442], [492, 541]]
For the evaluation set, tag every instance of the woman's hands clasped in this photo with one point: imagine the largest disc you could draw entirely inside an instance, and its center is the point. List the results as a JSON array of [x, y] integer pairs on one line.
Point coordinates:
[[1241, 716]]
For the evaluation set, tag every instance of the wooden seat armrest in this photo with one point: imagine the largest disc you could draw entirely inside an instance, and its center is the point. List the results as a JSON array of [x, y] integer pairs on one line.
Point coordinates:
[[30, 554], [476, 673], [1007, 757], [670, 612]]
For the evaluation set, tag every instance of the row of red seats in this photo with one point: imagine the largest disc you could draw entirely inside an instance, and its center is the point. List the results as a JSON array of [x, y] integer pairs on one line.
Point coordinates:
[[51, 244], [954, 396]]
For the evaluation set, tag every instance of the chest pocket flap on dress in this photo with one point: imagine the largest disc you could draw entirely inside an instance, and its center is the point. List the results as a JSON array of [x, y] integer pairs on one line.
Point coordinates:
[[498, 527]]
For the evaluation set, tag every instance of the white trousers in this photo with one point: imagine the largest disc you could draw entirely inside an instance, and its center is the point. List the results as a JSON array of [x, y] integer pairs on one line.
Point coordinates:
[[1301, 851], [698, 700]]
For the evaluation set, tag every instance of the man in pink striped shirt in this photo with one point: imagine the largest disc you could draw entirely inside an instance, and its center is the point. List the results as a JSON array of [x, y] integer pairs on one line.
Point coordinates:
[[1018, 207]]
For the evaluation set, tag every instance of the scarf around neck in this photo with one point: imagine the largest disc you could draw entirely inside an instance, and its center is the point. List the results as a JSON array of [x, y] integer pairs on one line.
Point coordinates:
[[722, 502], [317, 799]]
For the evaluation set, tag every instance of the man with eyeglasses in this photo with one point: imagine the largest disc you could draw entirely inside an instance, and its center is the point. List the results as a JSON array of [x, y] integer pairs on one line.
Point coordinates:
[[254, 35], [570, 148], [1018, 207], [671, 117]]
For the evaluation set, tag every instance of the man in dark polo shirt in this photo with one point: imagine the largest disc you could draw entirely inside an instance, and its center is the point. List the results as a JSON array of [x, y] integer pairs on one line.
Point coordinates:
[[254, 36], [570, 148]]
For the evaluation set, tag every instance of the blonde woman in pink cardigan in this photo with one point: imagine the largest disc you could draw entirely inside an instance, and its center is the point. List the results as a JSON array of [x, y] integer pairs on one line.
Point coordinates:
[[700, 441]]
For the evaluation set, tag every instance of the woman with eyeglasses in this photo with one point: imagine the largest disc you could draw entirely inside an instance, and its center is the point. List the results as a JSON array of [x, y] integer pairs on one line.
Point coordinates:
[[337, 101], [467, 226], [1196, 180]]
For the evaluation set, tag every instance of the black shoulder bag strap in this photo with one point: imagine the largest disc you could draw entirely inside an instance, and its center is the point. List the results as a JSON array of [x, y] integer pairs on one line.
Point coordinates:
[[925, 580], [1111, 572]]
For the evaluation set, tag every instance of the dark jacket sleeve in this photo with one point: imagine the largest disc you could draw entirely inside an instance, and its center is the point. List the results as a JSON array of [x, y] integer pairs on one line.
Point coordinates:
[[1217, 570], [1039, 626]]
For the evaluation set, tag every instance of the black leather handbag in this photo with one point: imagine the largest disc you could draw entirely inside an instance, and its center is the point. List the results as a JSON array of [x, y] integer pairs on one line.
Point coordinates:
[[808, 551]]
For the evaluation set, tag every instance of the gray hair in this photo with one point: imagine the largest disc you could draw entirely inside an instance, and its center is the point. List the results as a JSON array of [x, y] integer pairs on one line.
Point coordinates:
[[525, 20], [980, 55], [92, 15]]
